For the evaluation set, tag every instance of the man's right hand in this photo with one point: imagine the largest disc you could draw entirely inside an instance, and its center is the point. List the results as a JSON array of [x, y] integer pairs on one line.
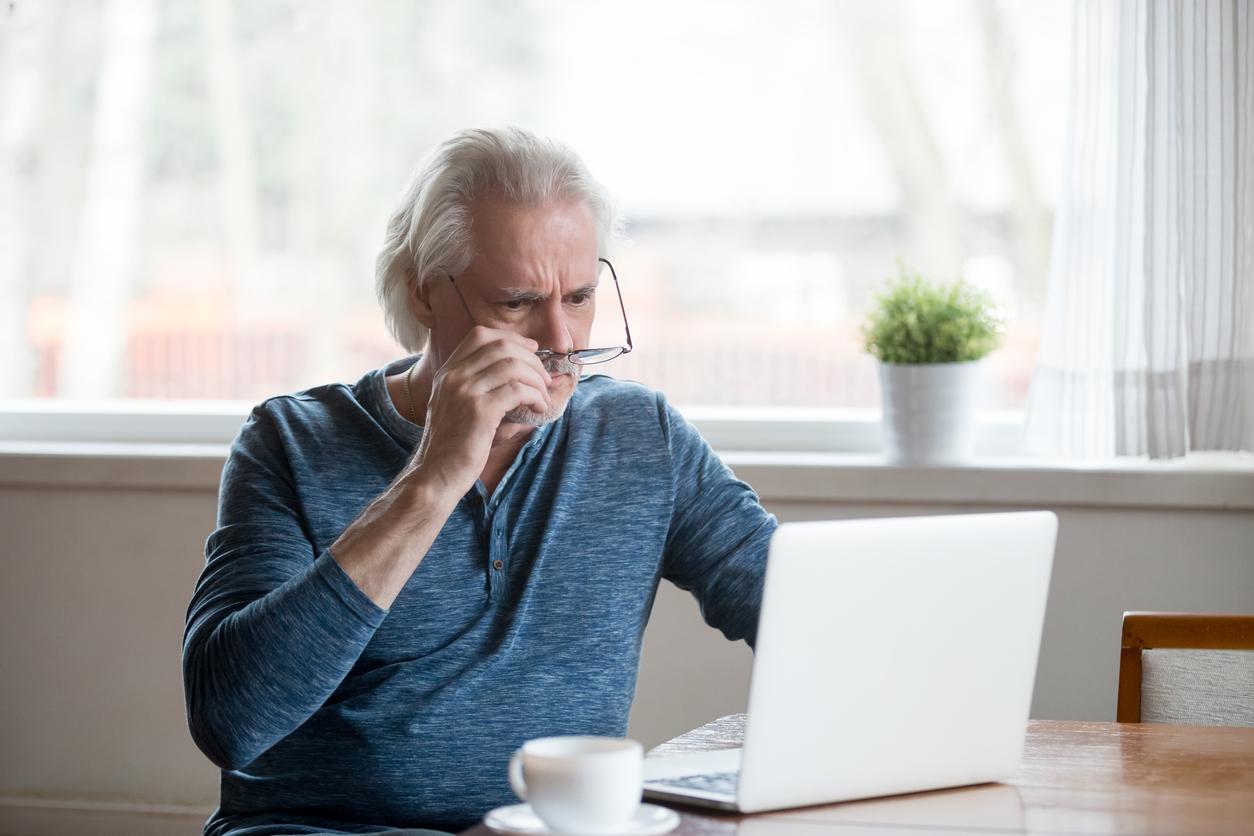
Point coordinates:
[[491, 373]]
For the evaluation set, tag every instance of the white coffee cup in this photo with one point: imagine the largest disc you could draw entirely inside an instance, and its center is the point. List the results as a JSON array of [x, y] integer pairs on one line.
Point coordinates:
[[580, 784]]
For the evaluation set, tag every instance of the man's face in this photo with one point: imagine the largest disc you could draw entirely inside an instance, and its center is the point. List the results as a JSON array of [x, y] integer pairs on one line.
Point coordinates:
[[534, 273]]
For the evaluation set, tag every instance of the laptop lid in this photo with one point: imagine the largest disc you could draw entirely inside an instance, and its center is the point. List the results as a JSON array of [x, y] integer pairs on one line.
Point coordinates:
[[894, 655]]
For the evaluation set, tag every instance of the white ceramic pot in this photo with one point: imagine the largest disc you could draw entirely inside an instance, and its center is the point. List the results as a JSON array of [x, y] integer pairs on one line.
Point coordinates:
[[928, 412]]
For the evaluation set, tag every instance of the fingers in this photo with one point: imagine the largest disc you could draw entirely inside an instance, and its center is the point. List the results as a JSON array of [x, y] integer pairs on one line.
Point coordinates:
[[510, 369], [479, 338], [490, 373], [483, 347], [513, 394]]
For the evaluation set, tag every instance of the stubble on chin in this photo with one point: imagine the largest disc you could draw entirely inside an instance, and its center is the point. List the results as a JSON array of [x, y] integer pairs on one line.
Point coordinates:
[[523, 415]]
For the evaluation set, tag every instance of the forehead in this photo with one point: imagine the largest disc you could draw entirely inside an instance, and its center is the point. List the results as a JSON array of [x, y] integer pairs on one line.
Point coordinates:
[[533, 240]]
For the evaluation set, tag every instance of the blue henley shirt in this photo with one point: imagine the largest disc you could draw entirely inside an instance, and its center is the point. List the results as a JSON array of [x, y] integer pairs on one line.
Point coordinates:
[[327, 713]]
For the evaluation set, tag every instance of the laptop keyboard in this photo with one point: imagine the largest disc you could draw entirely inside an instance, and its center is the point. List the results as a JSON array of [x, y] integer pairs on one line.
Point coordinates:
[[720, 782]]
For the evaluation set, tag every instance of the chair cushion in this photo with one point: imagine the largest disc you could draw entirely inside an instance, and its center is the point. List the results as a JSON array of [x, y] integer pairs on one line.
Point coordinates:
[[1198, 687]]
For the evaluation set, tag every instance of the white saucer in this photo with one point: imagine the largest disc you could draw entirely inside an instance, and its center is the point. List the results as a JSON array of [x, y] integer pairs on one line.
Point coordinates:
[[650, 819]]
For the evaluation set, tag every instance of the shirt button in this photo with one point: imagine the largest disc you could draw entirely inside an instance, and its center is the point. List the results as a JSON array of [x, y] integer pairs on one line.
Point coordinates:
[[498, 565]]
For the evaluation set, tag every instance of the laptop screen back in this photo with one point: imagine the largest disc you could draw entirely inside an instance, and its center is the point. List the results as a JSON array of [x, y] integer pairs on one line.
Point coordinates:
[[894, 655]]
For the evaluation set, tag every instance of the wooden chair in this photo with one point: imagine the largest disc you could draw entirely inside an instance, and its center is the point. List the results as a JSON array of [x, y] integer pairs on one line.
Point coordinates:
[[1186, 668]]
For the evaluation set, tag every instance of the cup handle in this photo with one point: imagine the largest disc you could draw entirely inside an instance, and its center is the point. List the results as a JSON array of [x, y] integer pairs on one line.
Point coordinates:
[[516, 781]]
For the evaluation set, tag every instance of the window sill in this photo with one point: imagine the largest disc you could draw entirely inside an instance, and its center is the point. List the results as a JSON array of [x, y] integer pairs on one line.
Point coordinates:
[[1203, 482], [1212, 482]]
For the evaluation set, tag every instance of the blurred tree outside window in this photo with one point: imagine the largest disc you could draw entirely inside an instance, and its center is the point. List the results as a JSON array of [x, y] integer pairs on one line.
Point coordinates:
[[193, 192]]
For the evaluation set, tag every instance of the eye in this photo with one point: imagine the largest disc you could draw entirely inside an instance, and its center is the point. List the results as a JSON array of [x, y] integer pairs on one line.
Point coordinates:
[[581, 298], [514, 304]]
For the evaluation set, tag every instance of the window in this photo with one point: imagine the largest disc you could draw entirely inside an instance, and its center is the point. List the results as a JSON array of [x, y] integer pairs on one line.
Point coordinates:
[[193, 191]]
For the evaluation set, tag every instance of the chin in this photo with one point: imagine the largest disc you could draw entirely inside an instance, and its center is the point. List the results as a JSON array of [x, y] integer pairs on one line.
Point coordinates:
[[523, 415]]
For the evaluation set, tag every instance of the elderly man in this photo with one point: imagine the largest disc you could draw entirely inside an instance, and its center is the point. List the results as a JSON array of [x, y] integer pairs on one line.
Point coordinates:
[[414, 574]]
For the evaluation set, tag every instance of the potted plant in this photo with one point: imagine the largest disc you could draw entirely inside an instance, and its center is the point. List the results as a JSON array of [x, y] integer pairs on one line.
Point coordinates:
[[929, 339]]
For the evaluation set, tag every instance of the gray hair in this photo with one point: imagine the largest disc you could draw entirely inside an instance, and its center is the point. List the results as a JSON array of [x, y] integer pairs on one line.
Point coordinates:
[[429, 234]]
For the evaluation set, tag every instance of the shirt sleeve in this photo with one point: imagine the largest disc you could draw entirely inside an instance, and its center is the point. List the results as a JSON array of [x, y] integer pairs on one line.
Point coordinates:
[[719, 532], [272, 628]]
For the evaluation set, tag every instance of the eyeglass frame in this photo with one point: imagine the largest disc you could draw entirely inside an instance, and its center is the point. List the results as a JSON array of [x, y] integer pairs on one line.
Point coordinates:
[[545, 353]]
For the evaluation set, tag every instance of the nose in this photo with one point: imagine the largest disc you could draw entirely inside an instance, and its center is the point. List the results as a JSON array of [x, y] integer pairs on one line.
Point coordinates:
[[553, 329]]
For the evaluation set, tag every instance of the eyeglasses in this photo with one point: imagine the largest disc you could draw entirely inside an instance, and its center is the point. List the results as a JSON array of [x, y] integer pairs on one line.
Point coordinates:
[[582, 356]]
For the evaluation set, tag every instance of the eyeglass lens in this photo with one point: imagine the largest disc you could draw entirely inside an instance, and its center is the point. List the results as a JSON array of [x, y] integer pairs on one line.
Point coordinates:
[[584, 356]]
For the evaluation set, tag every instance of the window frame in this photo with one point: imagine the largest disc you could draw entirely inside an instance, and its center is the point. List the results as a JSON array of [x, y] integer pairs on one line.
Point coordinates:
[[727, 429], [801, 458]]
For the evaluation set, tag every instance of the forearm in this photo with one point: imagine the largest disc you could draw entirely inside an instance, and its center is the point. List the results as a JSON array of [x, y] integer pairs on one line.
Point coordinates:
[[381, 548]]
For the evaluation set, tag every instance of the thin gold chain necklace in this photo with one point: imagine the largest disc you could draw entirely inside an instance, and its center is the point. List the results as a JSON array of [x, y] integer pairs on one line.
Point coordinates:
[[409, 394]]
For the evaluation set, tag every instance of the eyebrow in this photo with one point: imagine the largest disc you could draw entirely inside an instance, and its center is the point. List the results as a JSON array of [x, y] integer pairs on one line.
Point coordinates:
[[518, 294]]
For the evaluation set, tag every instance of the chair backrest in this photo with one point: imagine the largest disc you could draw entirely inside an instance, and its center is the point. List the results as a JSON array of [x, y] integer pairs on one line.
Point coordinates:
[[1186, 668]]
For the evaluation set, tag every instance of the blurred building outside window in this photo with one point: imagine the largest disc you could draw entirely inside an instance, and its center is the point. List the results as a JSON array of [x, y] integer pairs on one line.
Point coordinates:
[[193, 192]]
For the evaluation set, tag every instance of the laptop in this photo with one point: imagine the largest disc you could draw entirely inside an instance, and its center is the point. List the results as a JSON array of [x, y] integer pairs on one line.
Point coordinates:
[[893, 656]]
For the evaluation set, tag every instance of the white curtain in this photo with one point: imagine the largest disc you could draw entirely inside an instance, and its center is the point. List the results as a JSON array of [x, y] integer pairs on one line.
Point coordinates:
[[1148, 343]]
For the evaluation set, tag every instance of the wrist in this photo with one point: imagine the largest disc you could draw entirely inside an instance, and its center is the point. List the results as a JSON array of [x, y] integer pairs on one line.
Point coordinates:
[[421, 489]]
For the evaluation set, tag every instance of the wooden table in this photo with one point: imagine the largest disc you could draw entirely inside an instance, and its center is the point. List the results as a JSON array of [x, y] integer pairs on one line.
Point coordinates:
[[1075, 778]]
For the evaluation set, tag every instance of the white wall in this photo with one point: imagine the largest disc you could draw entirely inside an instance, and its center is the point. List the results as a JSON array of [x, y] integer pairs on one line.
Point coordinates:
[[98, 564]]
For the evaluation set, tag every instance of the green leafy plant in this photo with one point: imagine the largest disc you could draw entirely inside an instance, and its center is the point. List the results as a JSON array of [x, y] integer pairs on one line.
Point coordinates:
[[916, 321]]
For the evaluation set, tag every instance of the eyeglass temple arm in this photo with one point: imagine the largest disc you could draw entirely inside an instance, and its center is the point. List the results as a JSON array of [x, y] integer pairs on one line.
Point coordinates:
[[461, 299], [621, 306]]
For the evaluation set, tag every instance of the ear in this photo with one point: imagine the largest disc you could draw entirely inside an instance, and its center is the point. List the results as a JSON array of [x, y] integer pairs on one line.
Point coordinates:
[[419, 299]]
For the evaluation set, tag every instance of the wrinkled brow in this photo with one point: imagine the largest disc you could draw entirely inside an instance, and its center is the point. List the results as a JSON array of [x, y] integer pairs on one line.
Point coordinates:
[[519, 294]]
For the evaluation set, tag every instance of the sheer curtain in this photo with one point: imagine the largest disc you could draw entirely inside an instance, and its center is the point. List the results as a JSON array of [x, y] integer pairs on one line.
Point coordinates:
[[1148, 344]]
